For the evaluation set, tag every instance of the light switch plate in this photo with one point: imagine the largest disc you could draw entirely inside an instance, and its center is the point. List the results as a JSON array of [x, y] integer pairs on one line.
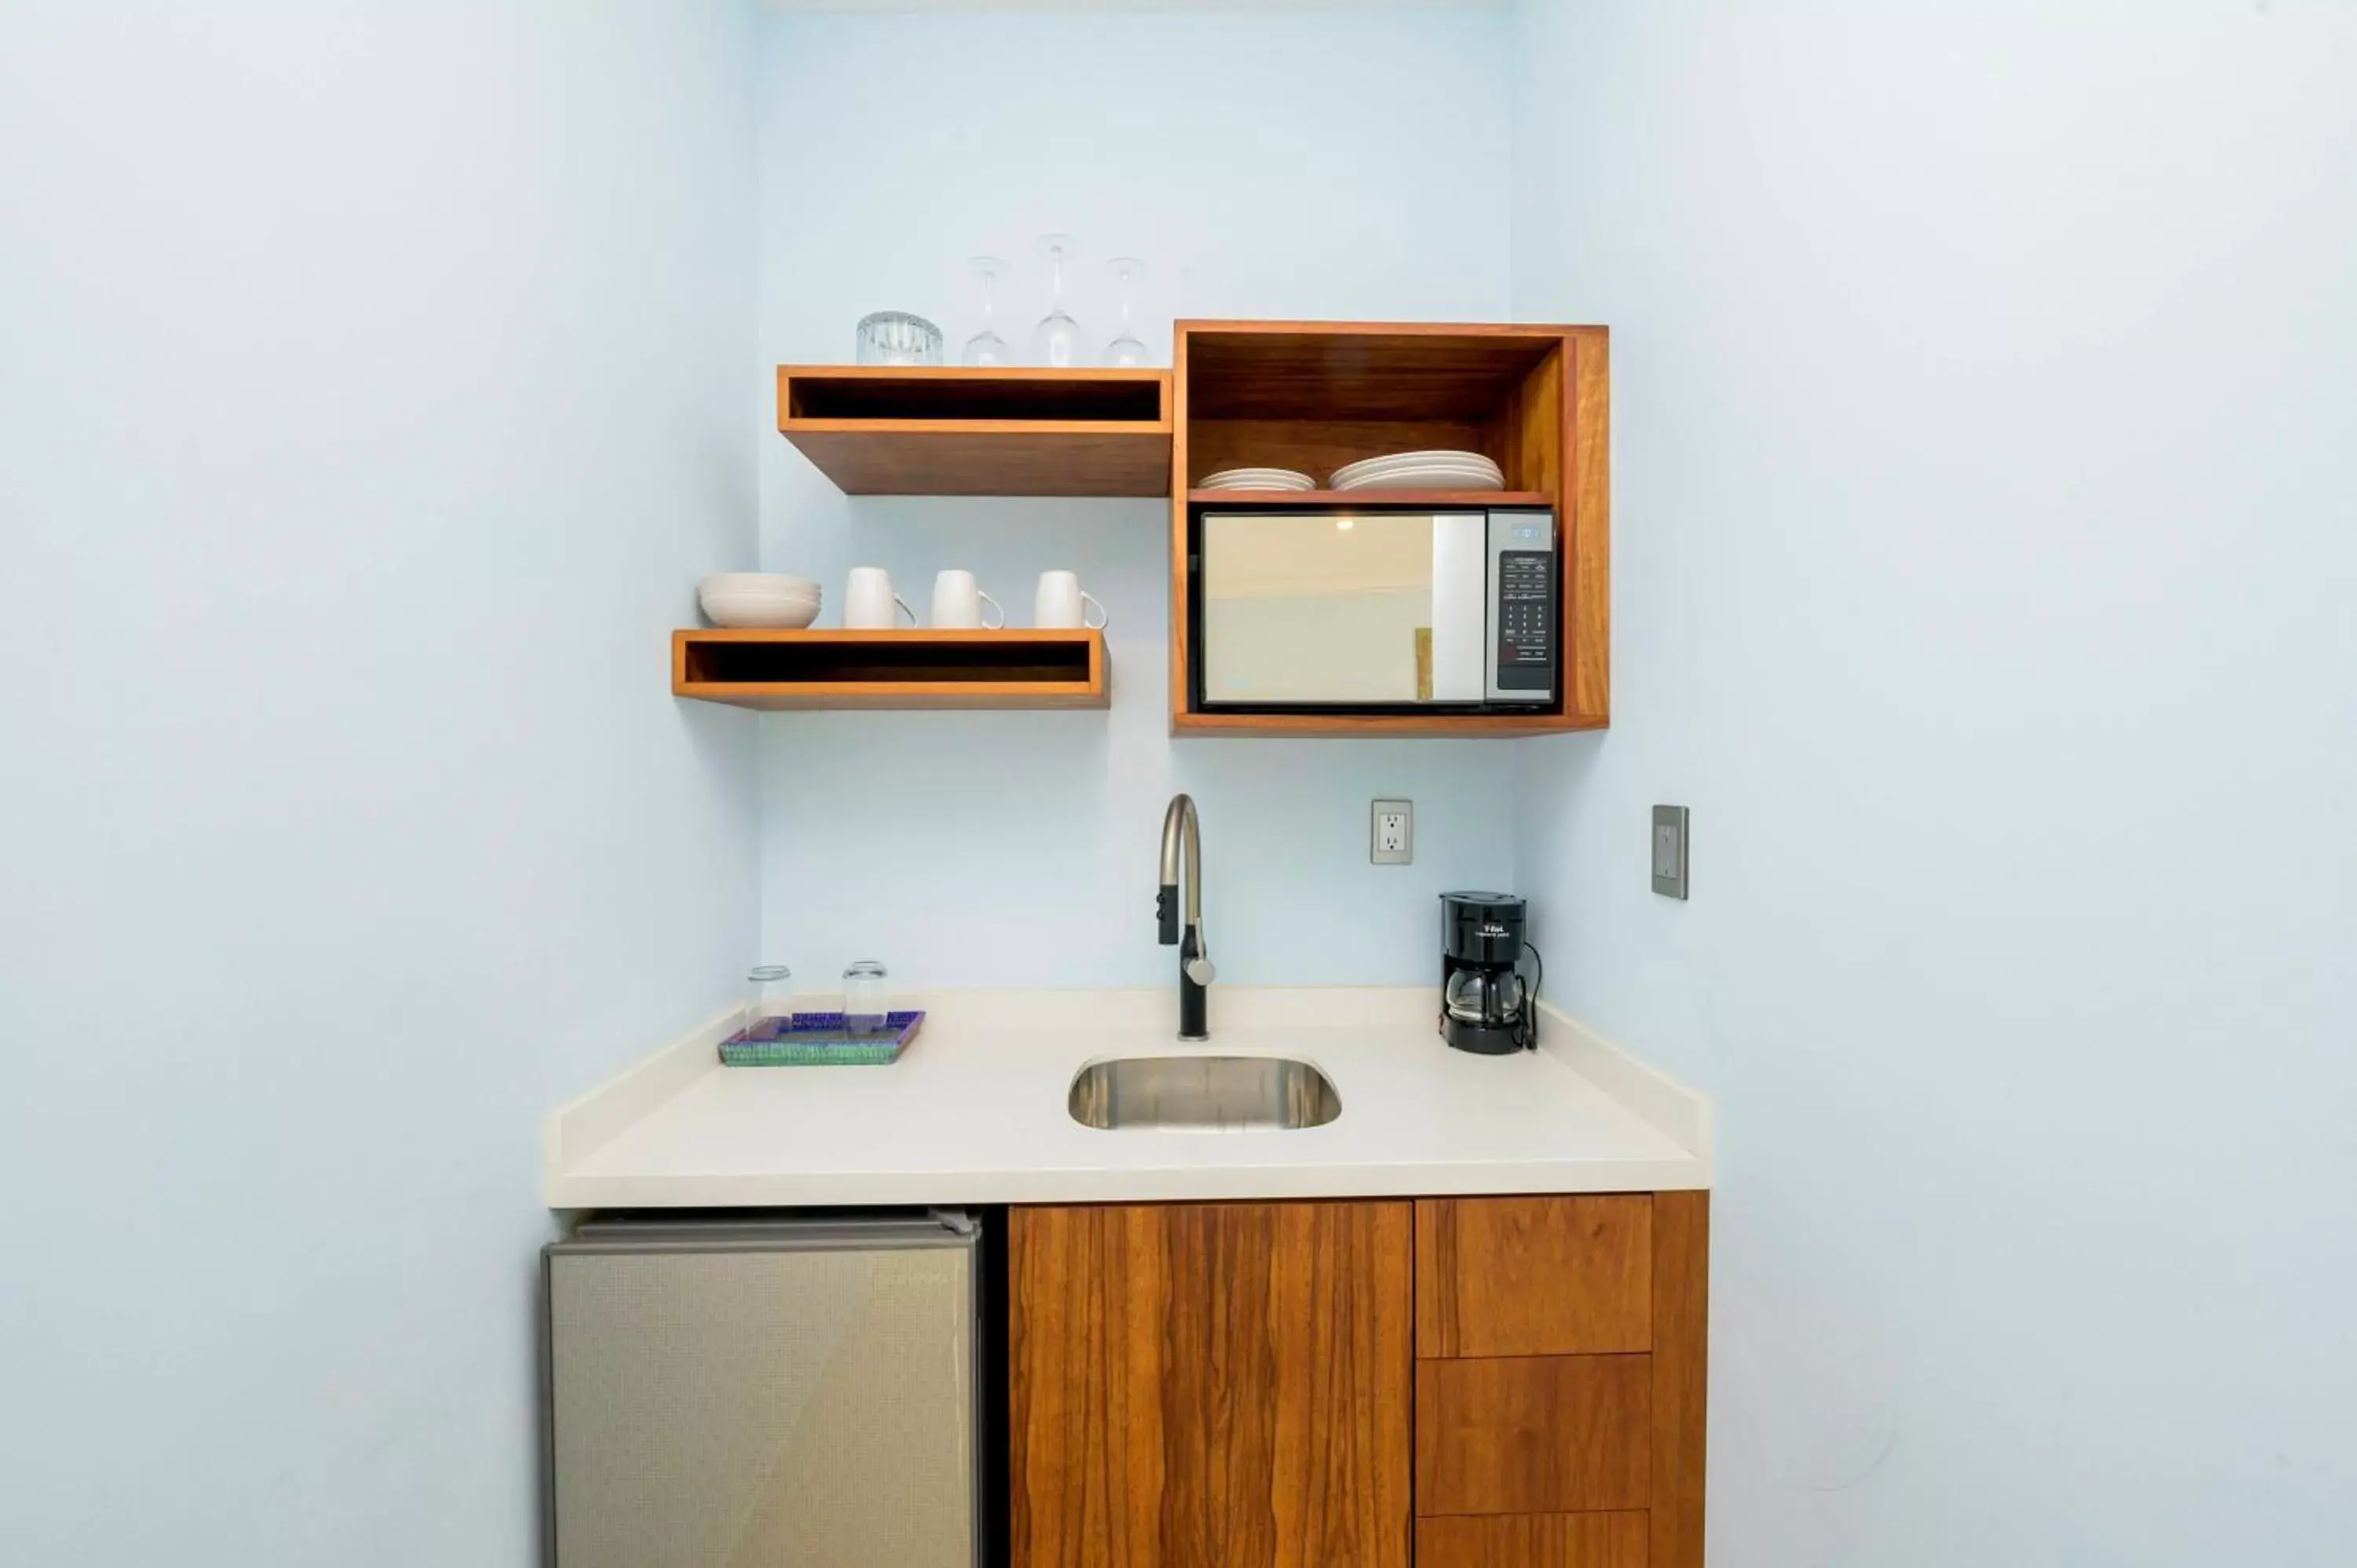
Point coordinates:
[[1670, 851], [1390, 833]]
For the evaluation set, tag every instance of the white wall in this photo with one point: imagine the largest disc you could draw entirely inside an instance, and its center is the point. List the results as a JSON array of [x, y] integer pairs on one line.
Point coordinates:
[[1321, 165], [1986, 521], [374, 382]]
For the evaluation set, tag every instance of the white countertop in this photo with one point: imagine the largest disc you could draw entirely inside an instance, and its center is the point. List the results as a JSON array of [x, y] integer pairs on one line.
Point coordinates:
[[975, 1113]]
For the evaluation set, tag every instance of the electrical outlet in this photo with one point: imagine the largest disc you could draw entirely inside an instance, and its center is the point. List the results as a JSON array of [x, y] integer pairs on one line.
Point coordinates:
[[1670, 851], [1390, 833]]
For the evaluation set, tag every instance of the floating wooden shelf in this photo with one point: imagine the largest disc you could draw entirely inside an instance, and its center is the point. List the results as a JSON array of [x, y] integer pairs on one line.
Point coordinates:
[[1278, 499], [938, 430], [1314, 395], [796, 670]]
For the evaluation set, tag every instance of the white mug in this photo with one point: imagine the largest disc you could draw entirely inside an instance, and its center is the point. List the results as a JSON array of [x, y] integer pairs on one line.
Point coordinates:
[[869, 603], [958, 601], [1059, 602]]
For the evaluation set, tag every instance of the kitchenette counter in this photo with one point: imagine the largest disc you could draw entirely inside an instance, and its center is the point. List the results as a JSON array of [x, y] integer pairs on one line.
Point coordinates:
[[975, 1113]]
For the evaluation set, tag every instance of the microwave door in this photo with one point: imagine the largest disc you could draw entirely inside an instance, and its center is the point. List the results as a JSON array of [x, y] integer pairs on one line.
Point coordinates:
[[1340, 609]]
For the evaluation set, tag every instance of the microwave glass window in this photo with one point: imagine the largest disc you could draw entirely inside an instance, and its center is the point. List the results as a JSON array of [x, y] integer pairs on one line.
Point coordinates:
[[1329, 608]]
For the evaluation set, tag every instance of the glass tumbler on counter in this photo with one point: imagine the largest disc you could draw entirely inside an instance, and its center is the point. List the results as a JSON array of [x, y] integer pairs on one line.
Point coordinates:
[[896, 338], [865, 1001], [770, 994]]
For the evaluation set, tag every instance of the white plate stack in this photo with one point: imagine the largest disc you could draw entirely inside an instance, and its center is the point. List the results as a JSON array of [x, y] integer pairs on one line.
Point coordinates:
[[1258, 480], [758, 598], [1421, 471]]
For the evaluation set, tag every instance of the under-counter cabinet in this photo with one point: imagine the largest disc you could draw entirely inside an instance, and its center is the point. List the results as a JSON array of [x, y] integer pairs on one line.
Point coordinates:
[[1486, 1382], [1211, 1385]]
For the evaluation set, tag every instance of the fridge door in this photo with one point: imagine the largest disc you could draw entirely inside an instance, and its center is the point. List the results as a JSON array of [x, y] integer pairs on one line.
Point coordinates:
[[799, 1394]]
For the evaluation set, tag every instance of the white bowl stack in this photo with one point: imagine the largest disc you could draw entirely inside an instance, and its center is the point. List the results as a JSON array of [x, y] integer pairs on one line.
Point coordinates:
[[1421, 471], [758, 598]]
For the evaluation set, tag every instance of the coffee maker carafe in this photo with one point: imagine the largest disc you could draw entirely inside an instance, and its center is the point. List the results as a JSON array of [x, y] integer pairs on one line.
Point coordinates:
[[1484, 1005]]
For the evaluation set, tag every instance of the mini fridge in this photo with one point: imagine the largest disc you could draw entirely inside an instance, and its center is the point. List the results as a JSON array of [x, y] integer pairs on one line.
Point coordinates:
[[789, 1393]]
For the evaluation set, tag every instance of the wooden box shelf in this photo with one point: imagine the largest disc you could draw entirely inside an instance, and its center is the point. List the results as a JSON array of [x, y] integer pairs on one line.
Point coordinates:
[[797, 670], [1312, 396], [938, 430]]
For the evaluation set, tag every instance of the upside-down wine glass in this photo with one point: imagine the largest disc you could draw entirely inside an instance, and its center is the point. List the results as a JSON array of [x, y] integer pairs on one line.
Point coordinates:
[[1127, 349], [987, 346], [1057, 339]]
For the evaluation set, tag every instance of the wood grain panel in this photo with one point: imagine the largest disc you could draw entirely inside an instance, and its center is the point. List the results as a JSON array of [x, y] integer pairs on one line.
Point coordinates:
[[1360, 370], [1534, 1277], [1681, 1356], [908, 430], [1534, 1434], [1530, 429], [1380, 726], [1086, 1289], [1587, 529], [1182, 464], [897, 394], [986, 459], [780, 669], [1211, 1385], [1532, 1540]]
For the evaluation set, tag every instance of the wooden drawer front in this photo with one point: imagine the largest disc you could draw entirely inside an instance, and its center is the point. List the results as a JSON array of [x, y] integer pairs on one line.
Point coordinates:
[[1534, 1277], [1532, 1540], [1534, 1434]]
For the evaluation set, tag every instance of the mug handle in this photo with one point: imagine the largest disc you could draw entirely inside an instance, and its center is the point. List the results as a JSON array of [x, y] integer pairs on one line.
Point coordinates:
[[1098, 623], [987, 624], [905, 606]]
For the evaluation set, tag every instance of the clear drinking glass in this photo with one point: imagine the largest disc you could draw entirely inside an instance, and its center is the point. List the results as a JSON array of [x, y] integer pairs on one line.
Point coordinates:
[[1057, 340], [770, 994], [865, 1001], [1127, 349], [987, 346], [896, 338]]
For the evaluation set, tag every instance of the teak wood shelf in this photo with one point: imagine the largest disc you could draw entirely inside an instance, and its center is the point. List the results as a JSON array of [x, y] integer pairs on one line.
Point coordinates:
[[1313, 395], [800, 670], [938, 430]]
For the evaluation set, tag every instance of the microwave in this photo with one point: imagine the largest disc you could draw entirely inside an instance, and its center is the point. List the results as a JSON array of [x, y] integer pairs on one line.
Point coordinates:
[[1375, 610]]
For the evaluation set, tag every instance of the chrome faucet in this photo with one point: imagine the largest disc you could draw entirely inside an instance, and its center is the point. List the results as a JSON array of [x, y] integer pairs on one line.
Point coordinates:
[[1182, 831]]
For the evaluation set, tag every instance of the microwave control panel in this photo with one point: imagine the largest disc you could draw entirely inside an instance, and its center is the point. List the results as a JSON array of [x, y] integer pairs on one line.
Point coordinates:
[[1526, 605]]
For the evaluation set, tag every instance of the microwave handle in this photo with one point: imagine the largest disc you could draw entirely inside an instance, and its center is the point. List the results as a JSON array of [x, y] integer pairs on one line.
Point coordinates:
[[1461, 607]]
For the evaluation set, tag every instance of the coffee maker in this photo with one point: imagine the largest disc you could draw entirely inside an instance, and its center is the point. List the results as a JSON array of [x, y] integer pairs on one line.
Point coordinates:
[[1484, 1005]]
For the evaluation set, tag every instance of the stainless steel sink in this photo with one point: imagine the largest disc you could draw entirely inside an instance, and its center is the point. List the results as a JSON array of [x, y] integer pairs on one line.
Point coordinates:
[[1210, 1094]]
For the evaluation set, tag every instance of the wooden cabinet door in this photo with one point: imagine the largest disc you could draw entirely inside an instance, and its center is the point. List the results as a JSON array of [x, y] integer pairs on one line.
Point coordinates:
[[1211, 1385]]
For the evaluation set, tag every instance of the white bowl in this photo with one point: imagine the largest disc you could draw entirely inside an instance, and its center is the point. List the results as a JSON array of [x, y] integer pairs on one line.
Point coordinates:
[[792, 611], [766, 595], [757, 583]]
